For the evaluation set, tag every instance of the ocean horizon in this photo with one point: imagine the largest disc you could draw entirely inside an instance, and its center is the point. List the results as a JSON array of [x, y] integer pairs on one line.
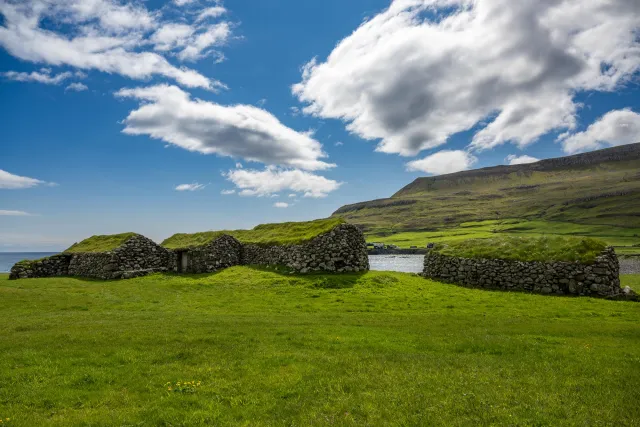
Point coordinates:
[[8, 259]]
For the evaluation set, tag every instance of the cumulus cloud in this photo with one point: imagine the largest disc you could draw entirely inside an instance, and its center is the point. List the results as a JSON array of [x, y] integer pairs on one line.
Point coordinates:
[[13, 182], [512, 159], [618, 127], [273, 180], [241, 131], [423, 70], [13, 213], [42, 76], [78, 87], [442, 162], [281, 205], [227, 192], [190, 187], [104, 35]]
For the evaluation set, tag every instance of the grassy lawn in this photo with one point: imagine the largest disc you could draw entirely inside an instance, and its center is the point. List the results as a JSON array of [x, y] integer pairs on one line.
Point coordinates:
[[269, 349]]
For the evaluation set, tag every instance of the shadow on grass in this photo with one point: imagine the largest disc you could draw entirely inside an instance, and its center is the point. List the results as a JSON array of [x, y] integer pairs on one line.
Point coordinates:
[[319, 280]]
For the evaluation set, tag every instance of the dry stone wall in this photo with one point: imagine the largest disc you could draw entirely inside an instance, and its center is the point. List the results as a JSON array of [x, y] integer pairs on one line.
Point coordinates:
[[341, 249], [223, 252], [135, 257], [600, 279], [56, 265]]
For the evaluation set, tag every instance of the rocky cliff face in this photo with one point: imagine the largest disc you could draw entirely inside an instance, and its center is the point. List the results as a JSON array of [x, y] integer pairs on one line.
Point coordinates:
[[600, 279]]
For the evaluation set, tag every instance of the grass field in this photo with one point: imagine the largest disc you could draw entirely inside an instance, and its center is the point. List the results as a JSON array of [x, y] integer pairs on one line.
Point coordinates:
[[269, 349], [622, 238]]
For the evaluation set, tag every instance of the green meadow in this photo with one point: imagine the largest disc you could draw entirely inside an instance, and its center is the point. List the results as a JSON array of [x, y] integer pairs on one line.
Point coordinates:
[[625, 240], [256, 347]]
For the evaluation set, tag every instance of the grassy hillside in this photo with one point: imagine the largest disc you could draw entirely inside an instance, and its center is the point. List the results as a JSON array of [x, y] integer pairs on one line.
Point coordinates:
[[269, 349], [284, 233], [594, 191], [101, 243]]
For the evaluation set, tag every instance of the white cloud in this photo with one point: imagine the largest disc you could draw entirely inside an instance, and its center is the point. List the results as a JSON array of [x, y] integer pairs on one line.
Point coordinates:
[[293, 195], [78, 87], [183, 2], [442, 162], [42, 76], [617, 127], [190, 187], [242, 131], [512, 159], [197, 47], [423, 70], [14, 213], [103, 35], [273, 180], [227, 192], [281, 205], [338, 144], [211, 12], [13, 182]]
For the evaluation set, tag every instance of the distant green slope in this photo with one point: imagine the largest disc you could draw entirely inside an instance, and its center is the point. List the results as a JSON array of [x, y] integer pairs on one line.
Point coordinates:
[[596, 188], [285, 233]]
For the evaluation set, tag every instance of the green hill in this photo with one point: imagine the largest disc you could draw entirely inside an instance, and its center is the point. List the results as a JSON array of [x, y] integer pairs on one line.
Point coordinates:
[[591, 194]]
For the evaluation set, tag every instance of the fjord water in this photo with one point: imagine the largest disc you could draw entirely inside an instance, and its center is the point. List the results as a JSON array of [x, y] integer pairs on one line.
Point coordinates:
[[401, 263], [7, 259]]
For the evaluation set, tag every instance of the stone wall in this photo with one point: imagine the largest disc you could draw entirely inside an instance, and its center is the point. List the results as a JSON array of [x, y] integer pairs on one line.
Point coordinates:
[[340, 250], [223, 252], [600, 279], [135, 257], [56, 265]]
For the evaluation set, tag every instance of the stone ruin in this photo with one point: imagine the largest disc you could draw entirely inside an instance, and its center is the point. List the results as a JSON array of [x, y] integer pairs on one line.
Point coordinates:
[[136, 256], [341, 249], [600, 279]]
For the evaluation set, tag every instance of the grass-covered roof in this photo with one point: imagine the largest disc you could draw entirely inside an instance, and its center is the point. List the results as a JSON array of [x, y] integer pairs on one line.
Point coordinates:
[[285, 233], [102, 243], [513, 248]]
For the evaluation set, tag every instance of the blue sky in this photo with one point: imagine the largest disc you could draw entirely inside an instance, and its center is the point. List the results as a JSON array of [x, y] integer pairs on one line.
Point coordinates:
[[108, 106]]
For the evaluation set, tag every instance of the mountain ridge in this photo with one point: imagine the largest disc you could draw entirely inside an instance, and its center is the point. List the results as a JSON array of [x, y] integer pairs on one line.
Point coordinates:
[[599, 187]]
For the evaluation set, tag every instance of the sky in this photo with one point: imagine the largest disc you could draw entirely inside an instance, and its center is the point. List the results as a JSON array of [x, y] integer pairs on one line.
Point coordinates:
[[191, 115]]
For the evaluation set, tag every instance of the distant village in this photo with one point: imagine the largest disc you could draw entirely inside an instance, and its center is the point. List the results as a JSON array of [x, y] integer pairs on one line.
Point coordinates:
[[382, 246]]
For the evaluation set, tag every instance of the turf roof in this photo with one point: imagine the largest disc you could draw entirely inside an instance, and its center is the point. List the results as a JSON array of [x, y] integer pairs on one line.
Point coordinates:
[[285, 233], [101, 243]]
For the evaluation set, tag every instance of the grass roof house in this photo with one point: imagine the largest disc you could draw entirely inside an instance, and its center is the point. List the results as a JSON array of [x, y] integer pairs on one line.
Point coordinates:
[[117, 256], [558, 265], [103, 257], [321, 245]]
